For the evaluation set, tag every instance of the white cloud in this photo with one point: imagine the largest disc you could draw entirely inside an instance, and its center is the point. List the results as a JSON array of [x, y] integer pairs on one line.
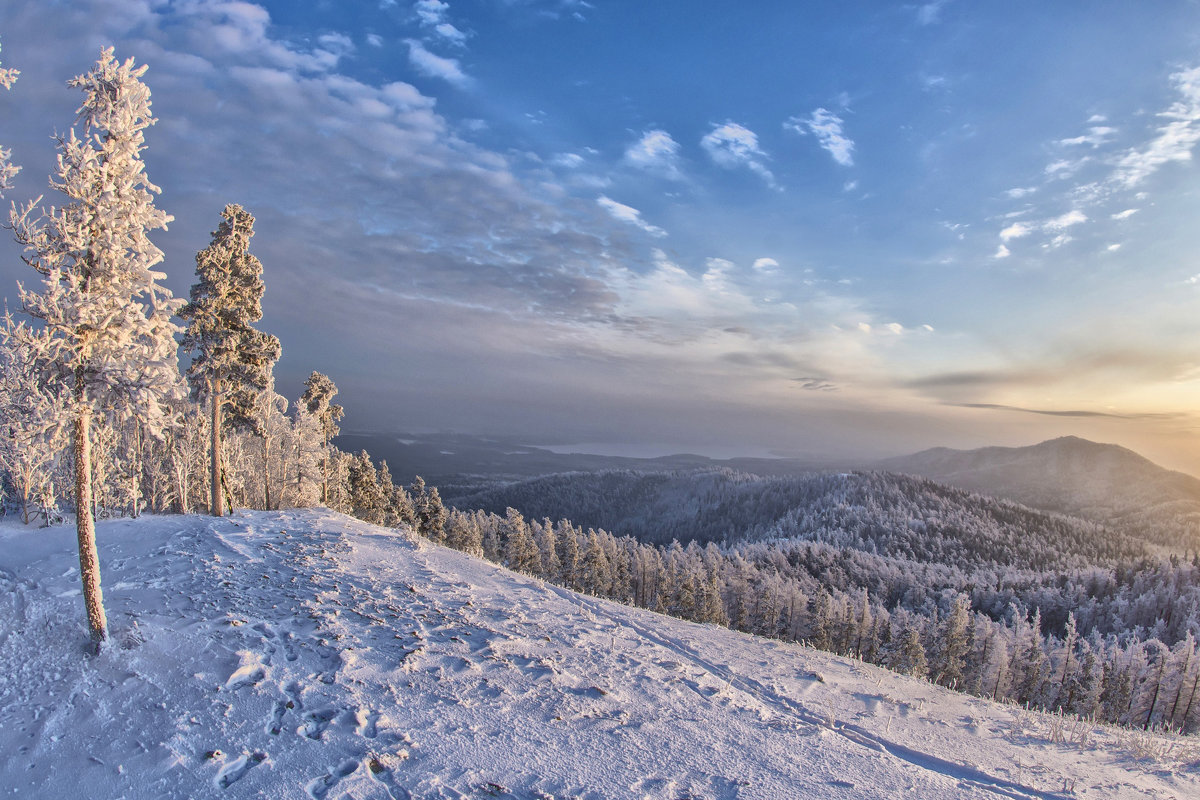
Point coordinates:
[[1015, 231], [1060, 223], [1112, 248], [432, 14], [827, 127], [1096, 136], [435, 66], [1002, 252], [337, 43], [655, 152], [1021, 191], [1175, 140], [568, 160], [375, 40], [1065, 167], [766, 265], [1126, 214], [624, 213], [448, 31], [731, 145]]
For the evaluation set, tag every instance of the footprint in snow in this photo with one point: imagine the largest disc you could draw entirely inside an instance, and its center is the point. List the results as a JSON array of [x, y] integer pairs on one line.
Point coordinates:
[[320, 787], [235, 770], [315, 722]]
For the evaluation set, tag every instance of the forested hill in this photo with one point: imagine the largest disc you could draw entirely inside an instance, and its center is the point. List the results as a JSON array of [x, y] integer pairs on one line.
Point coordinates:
[[1102, 482], [898, 516]]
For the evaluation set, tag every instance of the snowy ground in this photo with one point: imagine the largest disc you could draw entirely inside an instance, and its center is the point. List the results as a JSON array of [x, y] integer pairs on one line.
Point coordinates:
[[305, 654]]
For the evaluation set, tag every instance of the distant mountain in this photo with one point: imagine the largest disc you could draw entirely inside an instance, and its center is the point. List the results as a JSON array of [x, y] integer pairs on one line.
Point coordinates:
[[1102, 482]]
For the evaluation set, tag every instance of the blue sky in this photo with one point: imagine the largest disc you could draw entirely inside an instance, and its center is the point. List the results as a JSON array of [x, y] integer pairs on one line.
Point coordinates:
[[779, 226]]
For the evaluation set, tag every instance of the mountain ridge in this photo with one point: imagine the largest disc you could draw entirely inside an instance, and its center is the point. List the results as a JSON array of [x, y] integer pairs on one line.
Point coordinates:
[[1098, 481]]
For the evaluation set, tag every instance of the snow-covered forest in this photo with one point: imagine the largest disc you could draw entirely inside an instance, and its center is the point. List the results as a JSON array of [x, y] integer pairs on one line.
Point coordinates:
[[980, 595]]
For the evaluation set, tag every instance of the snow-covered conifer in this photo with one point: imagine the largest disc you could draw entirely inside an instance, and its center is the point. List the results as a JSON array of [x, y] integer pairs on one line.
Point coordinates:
[[31, 424], [953, 643], [319, 391], [107, 336], [231, 361], [520, 551]]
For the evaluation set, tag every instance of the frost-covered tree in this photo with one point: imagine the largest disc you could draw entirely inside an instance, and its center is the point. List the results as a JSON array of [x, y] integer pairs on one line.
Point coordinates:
[[954, 643], [8, 170], [319, 391], [31, 425], [231, 361], [106, 338]]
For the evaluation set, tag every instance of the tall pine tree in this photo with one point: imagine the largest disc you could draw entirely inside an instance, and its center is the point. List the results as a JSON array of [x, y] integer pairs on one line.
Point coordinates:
[[107, 337], [231, 363]]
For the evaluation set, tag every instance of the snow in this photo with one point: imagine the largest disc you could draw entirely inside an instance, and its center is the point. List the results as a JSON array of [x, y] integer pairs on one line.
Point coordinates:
[[304, 654]]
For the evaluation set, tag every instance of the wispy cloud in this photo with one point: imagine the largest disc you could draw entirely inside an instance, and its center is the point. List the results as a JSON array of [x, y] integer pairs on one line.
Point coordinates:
[[657, 153], [735, 146], [1096, 136], [930, 13], [1066, 413], [827, 127], [432, 65], [629, 214], [1175, 140], [1002, 252]]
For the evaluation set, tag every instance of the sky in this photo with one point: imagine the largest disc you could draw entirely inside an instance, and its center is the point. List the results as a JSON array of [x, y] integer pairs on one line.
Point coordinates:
[[789, 227]]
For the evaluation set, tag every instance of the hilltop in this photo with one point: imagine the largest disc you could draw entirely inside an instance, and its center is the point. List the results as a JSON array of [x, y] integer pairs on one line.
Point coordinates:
[[1102, 482], [305, 654]]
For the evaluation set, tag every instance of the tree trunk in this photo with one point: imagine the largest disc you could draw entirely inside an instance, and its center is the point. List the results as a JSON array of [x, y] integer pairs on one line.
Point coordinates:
[[325, 472], [181, 499], [216, 505], [85, 526], [266, 474]]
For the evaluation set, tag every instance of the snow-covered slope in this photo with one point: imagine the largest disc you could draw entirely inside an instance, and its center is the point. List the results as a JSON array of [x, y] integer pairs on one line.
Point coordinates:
[[305, 654]]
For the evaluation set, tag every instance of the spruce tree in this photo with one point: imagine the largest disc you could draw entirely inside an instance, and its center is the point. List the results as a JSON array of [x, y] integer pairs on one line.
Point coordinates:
[[107, 338], [231, 363], [319, 391]]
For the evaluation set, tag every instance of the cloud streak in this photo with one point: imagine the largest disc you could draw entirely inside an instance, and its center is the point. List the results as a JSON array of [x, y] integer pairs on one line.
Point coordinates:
[[432, 65], [628, 214]]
